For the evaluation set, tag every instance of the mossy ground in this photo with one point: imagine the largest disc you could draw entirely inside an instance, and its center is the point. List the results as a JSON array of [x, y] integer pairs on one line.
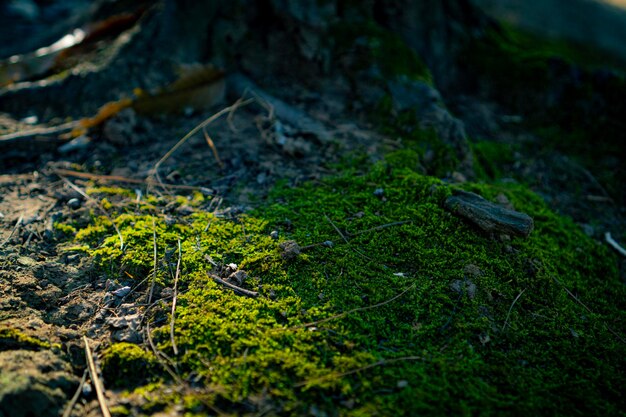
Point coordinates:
[[409, 311]]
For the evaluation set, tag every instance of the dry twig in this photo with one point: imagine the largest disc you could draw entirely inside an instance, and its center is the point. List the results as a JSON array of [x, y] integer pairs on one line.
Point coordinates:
[[117, 178], [511, 308], [173, 318], [17, 225], [233, 287], [620, 337], [345, 239], [154, 271], [162, 357], [76, 396], [346, 313], [96, 380], [192, 132], [209, 142], [382, 226]]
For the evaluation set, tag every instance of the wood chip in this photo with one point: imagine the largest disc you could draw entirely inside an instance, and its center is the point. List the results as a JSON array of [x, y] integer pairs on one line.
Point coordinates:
[[489, 216]]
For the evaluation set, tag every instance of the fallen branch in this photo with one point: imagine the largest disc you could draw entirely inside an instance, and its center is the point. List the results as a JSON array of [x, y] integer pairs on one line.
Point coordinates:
[[233, 287], [609, 239], [95, 379]]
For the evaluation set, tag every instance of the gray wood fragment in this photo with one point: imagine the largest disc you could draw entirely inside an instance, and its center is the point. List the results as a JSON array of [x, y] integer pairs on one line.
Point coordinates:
[[488, 216]]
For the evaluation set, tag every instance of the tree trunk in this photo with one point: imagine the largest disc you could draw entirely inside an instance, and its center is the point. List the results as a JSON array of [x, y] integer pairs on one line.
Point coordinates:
[[265, 39]]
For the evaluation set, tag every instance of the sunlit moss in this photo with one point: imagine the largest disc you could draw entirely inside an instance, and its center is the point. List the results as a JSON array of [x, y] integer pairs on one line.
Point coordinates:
[[14, 339], [439, 347]]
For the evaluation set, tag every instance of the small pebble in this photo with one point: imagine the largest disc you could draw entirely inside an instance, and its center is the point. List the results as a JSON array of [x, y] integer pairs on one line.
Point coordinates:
[[73, 203], [379, 192], [274, 234], [328, 244], [121, 292]]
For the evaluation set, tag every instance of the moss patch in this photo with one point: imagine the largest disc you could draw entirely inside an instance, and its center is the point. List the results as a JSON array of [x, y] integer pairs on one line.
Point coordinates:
[[14, 339], [125, 365], [393, 306]]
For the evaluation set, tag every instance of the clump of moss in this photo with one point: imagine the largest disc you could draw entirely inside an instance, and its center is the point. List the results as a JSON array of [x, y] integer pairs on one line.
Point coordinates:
[[491, 159], [14, 339], [126, 365], [392, 306]]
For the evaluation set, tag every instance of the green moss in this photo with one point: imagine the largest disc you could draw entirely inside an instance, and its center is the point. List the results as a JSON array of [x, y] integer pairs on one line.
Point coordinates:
[[408, 305], [119, 411], [64, 228], [491, 159], [111, 191], [14, 339], [127, 365]]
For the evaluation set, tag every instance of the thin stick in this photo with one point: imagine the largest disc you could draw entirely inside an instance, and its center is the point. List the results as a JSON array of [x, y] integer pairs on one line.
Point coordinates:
[[345, 239], [383, 226], [17, 225], [609, 239], [217, 207], [511, 308], [161, 357], [40, 131], [382, 362], [229, 119], [588, 309], [346, 313], [79, 390], [193, 131], [88, 198], [233, 287], [95, 380], [209, 142], [173, 318], [117, 178], [154, 271]]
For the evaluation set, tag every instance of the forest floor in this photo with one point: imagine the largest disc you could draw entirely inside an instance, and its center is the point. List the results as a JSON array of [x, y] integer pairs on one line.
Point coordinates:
[[54, 291]]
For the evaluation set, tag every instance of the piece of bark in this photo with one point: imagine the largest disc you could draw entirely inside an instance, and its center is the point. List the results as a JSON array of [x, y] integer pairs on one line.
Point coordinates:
[[489, 216]]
